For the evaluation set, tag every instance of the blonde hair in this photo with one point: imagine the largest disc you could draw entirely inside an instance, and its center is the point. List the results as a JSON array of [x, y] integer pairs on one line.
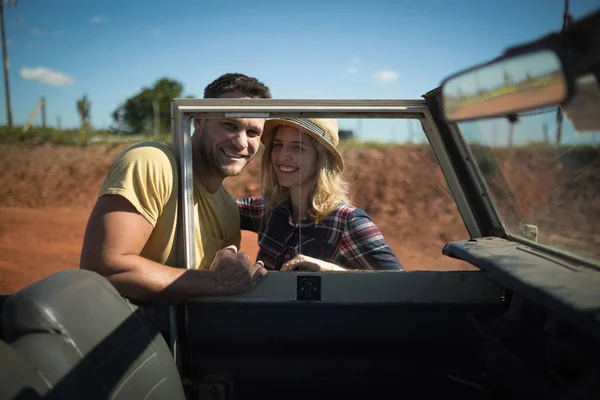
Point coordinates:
[[329, 189]]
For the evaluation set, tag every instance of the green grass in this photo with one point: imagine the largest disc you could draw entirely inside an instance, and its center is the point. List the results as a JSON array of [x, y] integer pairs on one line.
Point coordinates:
[[69, 137], [84, 137], [37, 135], [585, 147]]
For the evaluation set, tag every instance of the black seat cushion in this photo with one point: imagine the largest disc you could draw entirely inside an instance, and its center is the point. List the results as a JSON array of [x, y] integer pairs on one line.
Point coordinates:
[[89, 342]]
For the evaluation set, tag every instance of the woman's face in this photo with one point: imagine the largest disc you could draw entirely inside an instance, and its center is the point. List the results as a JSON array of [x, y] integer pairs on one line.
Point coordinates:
[[294, 157]]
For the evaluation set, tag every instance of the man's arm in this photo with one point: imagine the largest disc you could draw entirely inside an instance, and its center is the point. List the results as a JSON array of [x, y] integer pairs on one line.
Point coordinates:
[[115, 236]]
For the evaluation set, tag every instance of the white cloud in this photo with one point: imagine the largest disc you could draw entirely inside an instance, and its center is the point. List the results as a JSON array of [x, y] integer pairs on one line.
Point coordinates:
[[97, 19], [386, 76], [39, 32], [47, 76], [351, 70]]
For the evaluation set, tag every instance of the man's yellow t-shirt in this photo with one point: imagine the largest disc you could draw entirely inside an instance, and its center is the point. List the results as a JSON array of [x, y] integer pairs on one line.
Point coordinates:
[[146, 174]]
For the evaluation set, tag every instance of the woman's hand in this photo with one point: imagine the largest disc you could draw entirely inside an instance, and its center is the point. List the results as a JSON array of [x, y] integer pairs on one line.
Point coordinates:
[[308, 263]]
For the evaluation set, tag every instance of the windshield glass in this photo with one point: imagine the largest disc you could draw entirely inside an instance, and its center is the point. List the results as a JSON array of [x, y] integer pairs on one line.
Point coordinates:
[[393, 177], [543, 178]]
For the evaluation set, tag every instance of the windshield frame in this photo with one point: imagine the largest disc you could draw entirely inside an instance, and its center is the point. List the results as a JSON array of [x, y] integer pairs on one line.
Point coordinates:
[[183, 110]]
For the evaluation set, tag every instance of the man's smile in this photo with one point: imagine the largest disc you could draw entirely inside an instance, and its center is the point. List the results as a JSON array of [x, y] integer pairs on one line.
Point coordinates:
[[232, 155]]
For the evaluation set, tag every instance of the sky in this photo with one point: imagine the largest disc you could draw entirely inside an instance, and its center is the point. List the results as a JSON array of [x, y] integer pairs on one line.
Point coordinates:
[[109, 50]]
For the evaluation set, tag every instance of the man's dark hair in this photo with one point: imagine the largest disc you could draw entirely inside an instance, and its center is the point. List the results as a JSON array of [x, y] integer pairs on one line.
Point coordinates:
[[241, 83]]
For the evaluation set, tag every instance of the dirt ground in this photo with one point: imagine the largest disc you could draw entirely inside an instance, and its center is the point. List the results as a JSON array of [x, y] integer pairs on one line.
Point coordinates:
[[47, 192]]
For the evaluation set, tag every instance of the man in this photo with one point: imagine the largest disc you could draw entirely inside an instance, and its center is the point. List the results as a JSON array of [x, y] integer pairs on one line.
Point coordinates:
[[131, 233]]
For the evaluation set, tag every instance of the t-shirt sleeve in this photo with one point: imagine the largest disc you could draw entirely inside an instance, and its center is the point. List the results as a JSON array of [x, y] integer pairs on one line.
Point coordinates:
[[364, 246], [144, 175], [252, 210], [235, 240]]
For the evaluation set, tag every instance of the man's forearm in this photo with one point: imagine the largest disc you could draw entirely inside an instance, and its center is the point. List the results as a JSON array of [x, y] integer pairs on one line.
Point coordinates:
[[143, 280]]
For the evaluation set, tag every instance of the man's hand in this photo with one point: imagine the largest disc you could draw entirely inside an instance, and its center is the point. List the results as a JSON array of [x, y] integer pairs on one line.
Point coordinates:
[[309, 263], [234, 271]]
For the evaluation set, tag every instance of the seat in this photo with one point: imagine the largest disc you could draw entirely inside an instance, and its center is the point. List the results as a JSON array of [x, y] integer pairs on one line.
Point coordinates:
[[86, 341], [18, 378]]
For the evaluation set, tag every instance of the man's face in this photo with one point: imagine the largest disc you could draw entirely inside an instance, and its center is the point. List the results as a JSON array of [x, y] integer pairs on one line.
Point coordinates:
[[226, 145]]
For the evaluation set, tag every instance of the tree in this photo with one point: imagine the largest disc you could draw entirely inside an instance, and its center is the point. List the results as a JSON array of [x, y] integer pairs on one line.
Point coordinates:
[[10, 3], [138, 111], [83, 109]]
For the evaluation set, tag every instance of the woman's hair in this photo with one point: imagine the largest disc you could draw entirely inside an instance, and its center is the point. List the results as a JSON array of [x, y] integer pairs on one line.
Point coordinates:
[[329, 189]]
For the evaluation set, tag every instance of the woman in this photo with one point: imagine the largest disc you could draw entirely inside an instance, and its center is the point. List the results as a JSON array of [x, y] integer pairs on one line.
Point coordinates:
[[304, 218]]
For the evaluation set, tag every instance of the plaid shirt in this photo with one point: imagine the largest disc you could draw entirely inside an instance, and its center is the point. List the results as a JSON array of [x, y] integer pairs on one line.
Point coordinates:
[[347, 237]]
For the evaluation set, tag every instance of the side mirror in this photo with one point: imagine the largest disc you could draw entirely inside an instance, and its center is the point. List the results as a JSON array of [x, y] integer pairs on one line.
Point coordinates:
[[505, 86]]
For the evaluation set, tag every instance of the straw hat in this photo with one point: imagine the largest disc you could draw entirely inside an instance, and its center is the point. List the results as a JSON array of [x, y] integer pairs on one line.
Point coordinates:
[[323, 130]]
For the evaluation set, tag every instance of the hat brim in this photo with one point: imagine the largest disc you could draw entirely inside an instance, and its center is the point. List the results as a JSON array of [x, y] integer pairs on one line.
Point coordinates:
[[271, 124]]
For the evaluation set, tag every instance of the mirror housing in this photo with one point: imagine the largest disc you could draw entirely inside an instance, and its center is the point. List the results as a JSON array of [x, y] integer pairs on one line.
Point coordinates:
[[507, 85]]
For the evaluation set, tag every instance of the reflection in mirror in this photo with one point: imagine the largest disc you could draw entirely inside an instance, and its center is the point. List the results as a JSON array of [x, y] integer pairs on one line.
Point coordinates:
[[505, 86], [393, 177]]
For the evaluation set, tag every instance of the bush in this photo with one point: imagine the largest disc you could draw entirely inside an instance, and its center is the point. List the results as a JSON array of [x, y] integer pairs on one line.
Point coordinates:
[[485, 159]]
